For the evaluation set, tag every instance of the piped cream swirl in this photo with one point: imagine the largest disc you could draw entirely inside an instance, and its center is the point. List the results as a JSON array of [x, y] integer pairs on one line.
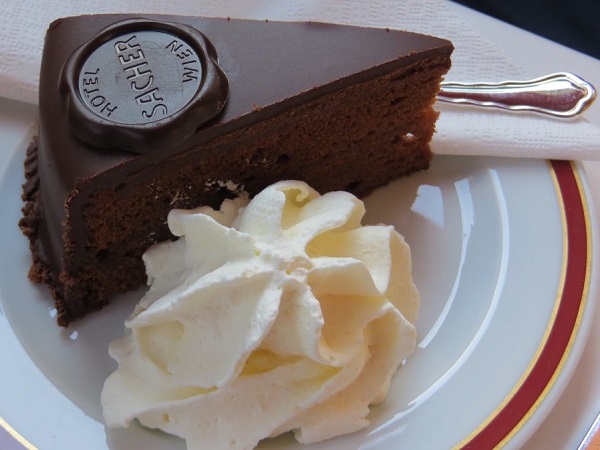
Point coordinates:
[[282, 314]]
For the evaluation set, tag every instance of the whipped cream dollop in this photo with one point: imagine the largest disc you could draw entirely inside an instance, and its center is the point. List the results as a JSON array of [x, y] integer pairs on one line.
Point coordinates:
[[282, 314]]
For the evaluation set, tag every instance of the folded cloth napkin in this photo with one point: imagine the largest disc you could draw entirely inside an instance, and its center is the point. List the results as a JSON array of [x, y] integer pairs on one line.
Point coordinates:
[[465, 130]]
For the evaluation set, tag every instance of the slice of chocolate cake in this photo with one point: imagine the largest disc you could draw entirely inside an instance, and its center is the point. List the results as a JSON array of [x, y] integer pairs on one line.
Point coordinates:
[[140, 115]]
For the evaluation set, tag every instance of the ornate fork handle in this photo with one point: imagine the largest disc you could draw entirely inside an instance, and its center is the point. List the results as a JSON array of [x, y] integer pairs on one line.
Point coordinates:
[[558, 94]]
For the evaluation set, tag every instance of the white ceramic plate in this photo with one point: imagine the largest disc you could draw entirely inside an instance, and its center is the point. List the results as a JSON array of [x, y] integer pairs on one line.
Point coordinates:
[[502, 256]]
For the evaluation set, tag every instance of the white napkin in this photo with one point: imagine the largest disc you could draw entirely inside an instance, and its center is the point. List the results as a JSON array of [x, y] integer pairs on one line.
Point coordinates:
[[461, 130]]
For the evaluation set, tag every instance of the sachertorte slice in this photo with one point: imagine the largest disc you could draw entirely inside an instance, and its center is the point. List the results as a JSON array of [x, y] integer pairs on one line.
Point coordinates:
[[143, 114]]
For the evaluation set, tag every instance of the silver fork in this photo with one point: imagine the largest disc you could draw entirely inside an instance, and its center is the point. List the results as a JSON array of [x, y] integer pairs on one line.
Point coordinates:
[[560, 94]]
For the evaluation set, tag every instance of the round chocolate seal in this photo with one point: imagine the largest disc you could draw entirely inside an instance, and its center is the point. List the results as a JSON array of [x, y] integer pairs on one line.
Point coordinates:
[[142, 85]]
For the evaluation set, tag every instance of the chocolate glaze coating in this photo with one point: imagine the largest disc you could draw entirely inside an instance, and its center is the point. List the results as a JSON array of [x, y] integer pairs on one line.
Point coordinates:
[[272, 68]]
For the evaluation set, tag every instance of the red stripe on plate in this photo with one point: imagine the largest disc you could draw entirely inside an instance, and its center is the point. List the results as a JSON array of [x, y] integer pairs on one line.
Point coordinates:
[[571, 301]]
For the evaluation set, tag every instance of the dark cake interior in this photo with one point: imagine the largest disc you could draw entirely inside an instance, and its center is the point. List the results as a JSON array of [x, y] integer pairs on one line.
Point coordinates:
[[339, 107]]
